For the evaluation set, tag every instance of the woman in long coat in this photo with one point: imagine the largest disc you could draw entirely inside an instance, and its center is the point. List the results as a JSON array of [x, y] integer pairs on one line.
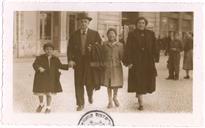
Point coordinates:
[[188, 55], [141, 53], [113, 55]]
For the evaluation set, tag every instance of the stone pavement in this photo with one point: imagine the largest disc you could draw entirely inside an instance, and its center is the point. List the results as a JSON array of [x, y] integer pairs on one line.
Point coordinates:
[[170, 96]]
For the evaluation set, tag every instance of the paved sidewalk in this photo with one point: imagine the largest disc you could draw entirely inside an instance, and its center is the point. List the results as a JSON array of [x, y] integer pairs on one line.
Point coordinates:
[[170, 96]]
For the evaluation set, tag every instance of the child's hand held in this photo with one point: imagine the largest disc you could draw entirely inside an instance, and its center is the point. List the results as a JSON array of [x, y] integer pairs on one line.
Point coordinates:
[[130, 66], [71, 64]]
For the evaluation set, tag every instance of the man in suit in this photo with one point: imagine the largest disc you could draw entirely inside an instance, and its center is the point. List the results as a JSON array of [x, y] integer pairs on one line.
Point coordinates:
[[78, 54]]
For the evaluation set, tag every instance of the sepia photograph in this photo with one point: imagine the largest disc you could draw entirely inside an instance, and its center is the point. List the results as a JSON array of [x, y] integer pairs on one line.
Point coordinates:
[[98, 64], [113, 61]]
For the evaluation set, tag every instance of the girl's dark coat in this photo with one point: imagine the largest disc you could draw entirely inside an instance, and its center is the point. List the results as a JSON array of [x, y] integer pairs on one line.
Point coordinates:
[[47, 81]]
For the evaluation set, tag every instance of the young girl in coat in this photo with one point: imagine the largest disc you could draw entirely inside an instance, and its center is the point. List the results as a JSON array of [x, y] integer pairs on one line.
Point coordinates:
[[47, 75], [113, 55]]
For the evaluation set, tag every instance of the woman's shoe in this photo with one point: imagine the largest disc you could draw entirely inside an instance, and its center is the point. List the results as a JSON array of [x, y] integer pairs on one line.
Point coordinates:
[[110, 105], [117, 104], [140, 108], [90, 100], [39, 109]]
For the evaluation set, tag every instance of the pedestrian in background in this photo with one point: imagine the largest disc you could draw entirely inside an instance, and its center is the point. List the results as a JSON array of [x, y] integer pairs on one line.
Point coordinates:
[[47, 76], [160, 43], [113, 55], [158, 46], [166, 42], [175, 47], [188, 54], [141, 53]]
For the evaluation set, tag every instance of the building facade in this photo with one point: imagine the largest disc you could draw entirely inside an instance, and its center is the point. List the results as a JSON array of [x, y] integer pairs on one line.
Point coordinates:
[[32, 29], [162, 23]]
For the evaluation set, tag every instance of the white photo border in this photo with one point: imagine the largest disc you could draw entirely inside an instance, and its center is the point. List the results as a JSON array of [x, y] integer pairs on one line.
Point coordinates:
[[120, 119]]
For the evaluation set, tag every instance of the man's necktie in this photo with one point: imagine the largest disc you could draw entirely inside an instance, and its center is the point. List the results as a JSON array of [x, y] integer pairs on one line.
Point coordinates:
[[84, 32]]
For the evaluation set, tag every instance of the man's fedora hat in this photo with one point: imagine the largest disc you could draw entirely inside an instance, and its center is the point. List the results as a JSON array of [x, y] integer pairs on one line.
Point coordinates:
[[83, 16]]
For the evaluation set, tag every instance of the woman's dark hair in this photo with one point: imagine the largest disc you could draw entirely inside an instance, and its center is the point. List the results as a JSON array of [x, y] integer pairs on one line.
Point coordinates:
[[142, 18], [111, 29], [48, 45]]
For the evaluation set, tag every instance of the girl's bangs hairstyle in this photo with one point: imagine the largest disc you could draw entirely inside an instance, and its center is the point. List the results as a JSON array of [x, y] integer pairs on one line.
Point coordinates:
[[111, 29]]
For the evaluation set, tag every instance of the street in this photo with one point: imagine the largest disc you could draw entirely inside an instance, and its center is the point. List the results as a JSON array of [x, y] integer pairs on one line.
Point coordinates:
[[170, 96]]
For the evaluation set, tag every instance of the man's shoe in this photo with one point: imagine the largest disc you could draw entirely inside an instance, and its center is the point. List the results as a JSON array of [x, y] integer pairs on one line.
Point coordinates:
[[80, 108], [90, 100], [110, 105]]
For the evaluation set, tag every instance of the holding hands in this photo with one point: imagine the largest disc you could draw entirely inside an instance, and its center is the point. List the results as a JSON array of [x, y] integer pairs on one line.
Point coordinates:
[[130, 66], [71, 64]]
